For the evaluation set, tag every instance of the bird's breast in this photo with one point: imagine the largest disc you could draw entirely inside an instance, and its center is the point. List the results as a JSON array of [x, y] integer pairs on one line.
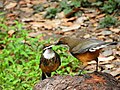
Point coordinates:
[[87, 56], [49, 65]]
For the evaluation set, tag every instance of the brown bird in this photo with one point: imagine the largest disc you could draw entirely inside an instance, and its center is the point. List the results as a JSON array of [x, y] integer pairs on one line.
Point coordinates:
[[49, 61], [84, 50]]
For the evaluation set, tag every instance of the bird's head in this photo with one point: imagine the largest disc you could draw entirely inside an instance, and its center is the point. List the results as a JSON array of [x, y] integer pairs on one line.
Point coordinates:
[[63, 40], [47, 46]]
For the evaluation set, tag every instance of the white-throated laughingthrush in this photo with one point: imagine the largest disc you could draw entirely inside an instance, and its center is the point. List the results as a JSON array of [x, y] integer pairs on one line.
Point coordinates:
[[49, 61], [84, 50]]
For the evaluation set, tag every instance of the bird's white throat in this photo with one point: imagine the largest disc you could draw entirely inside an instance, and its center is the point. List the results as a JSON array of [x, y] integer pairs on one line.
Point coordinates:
[[48, 54]]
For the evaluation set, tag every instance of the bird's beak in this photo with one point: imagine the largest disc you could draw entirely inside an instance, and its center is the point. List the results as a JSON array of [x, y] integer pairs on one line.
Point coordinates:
[[48, 47], [56, 43]]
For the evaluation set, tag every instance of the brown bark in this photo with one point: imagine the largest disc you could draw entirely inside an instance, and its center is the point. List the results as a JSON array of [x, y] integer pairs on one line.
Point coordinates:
[[93, 81]]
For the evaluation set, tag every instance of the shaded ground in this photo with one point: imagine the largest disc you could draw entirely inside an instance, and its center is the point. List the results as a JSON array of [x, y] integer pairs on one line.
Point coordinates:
[[86, 25]]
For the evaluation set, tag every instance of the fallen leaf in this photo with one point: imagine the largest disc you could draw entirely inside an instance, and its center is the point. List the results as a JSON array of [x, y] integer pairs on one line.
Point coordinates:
[[73, 27], [35, 34], [100, 16], [10, 5], [106, 32], [36, 25], [107, 52], [27, 19], [1, 4], [26, 9], [80, 20], [116, 72], [106, 59], [11, 32], [116, 30], [72, 12], [87, 36], [67, 24], [90, 15], [103, 59], [109, 66]]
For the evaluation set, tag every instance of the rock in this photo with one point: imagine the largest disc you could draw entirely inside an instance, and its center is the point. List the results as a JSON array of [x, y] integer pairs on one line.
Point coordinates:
[[91, 81]]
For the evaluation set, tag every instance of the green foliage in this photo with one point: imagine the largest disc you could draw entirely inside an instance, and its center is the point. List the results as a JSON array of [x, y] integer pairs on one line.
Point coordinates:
[[109, 6], [20, 57], [108, 21], [51, 13], [18, 61], [67, 6], [38, 8]]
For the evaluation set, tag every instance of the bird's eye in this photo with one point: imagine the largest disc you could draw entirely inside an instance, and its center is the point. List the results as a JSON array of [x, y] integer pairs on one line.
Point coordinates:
[[60, 42]]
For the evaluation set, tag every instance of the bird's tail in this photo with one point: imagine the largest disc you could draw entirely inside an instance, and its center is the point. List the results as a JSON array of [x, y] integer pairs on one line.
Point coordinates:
[[45, 75], [101, 45], [113, 43]]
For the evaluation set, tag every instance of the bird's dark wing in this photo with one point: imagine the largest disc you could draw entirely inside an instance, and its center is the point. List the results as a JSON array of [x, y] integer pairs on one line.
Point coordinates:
[[101, 45], [87, 45], [43, 60], [57, 58]]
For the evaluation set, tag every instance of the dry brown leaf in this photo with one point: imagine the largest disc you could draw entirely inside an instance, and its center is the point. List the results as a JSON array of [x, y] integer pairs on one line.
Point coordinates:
[[73, 27], [106, 59], [116, 72], [100, 16], [95, 24], [91, 15], [69, 19], [38, 1], [92, 20], [67, 24], [37, 24], [116, 30], [26, 9], [11, 32], [27, 19], [10, 5], [72, 12], [22, 2], [34, 34], [40, 24]]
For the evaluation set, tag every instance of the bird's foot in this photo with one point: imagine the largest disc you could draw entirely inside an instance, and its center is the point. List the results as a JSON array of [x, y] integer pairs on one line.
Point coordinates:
[[84, 74], [80, 73], [56, 74]]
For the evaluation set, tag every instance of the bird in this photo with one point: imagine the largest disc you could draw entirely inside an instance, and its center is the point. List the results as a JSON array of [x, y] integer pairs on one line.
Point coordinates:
[[83, 49], [49, 61]]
